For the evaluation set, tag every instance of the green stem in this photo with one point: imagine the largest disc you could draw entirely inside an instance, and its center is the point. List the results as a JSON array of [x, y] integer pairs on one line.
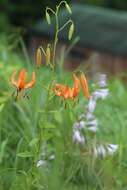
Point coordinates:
[[56, 37], [48, 8], [62, 2], [58, 30], [69, 21]]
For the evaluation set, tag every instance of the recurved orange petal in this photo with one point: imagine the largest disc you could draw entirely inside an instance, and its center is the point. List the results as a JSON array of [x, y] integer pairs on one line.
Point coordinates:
[[84, 85], [32, 83], [66, 93], [59, 86], [22, 79], [76, 86], [76, 82], [13, 81]]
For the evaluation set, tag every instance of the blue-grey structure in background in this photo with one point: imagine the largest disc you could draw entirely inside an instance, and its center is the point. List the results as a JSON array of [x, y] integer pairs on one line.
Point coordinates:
[[99, 29]]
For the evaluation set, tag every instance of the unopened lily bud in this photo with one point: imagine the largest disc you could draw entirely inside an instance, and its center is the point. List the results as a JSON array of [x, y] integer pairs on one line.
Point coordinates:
[[71, 31], [39, 57], [48, 18], [68, 8], [48, 55]]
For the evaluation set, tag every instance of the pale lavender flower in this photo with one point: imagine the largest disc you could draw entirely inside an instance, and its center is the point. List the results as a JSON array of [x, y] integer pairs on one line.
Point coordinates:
[[102, 80], [41, 163], [43, 154], [101, 93], [51, 157], [79, 125], [112, 148], [104, 151], [91, 105], [82, 116], [43, 150], [76, 125], [100, 151], [93, 129], [78, 138], [92, 123], [89, 116], [82, 124]]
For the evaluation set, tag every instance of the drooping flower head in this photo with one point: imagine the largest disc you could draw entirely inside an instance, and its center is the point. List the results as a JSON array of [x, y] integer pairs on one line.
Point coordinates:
[[20, 83], [70, 93]]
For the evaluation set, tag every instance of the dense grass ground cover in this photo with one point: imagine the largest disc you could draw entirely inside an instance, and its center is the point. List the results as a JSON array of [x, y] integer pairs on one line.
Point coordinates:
[[30, 127]]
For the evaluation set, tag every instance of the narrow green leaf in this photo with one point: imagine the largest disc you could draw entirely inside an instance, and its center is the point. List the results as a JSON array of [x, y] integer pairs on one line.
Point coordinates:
[[47, 136], [33, 142], [2, 149], [47, 125], [24, 154], [1, 107]]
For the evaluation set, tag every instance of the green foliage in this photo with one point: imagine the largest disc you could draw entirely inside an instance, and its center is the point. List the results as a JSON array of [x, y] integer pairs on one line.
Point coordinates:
[[26, 126]]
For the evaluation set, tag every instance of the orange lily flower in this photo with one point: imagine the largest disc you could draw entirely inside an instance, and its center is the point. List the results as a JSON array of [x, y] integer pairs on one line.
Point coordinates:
[[62, 90], [67, 92], [21, 84]]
